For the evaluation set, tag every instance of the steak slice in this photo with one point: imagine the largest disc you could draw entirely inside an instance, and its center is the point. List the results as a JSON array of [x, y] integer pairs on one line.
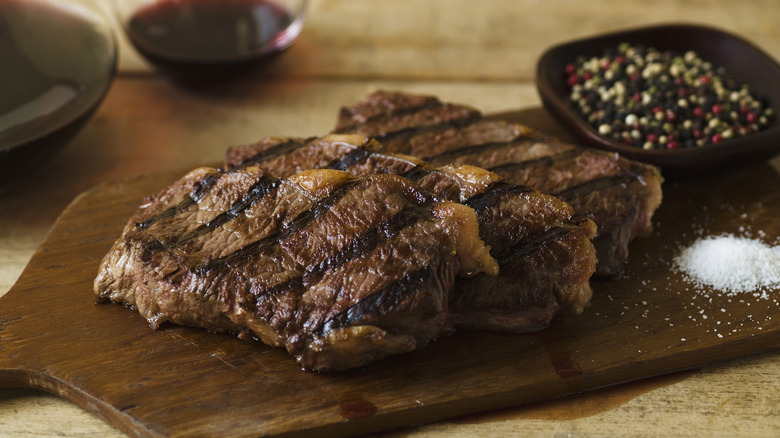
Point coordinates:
[[543, 248], [618, 194], [338, 270]]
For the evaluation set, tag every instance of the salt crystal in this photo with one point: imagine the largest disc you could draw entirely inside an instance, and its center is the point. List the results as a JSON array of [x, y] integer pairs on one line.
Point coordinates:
[[731, 264]]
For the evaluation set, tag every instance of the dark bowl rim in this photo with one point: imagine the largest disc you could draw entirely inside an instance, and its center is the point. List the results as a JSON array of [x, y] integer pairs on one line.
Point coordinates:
[[558, 105]]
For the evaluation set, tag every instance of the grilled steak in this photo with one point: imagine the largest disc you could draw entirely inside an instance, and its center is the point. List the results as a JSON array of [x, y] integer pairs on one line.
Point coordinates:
[[338, 270], [544, 251], [619, 195]]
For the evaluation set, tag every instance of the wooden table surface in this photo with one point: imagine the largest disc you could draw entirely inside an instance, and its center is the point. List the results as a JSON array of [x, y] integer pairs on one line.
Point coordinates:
[[480, 53]]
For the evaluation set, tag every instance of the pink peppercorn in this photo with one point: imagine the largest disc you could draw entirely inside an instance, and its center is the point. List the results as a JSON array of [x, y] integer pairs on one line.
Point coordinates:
[[717, 138]]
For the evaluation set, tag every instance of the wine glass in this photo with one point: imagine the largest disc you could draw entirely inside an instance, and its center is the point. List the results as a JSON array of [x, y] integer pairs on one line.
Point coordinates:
[[57, 62], [188, 39]]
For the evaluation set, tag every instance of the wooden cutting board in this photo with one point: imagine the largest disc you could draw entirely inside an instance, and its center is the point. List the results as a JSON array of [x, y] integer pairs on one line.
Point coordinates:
[[180, 381]]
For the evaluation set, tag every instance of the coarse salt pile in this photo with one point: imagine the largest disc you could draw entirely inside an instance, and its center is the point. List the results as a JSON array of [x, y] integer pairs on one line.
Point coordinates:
[[731, 264]]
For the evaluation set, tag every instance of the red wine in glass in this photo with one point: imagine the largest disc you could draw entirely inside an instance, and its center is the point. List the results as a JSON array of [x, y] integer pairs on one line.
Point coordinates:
[[204, 38]]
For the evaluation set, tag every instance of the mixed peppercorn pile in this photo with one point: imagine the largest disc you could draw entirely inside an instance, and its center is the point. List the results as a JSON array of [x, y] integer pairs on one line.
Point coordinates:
[[640, 96]]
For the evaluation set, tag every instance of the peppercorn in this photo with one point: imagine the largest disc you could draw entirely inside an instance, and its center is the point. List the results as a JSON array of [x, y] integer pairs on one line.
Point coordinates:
[[640, 96]]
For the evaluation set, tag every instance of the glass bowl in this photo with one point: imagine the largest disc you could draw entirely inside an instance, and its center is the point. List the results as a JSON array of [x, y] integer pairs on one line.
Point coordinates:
[[58, 61]]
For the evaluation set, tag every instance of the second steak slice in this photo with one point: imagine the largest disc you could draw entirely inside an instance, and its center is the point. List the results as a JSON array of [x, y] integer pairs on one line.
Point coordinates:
[[543, 248], [618, 194]]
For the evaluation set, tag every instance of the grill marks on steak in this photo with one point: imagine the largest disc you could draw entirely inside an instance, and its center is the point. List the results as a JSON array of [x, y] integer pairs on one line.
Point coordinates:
[[545, 256], [396, 113], [620, 195], [338, 270]]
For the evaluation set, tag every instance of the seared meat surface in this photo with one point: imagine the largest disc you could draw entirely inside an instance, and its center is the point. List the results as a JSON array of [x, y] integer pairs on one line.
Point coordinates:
[[338, 270], [618, 194], [543, 248]]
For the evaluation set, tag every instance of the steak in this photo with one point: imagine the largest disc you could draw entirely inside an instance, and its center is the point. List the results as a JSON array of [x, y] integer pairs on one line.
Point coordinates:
[[338, 270], [543, 248], [618, 194]]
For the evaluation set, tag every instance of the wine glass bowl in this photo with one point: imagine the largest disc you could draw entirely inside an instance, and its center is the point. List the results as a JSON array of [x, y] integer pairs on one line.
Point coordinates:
[[193, 39], [58, 61]]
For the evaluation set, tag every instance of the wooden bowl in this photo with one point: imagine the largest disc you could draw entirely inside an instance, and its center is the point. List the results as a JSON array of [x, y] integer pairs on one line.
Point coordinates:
[[741, 59]]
